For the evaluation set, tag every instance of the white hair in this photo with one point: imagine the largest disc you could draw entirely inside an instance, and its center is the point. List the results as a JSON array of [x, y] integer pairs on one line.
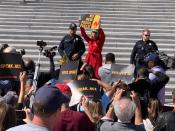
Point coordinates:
[[10, 49], [124, 109]]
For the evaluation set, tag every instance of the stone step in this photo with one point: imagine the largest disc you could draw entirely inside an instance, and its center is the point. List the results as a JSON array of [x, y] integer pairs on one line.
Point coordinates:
[[81, 8], [106, 20], [103, 16], [123, 44], [76, 15], [101, 8], [56, 40], [118, 43], [45, 25], [95, 3], [62, 32]]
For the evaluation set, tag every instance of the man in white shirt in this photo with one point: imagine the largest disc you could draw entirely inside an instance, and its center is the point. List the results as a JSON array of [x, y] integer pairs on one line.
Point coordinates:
[[105, 71]]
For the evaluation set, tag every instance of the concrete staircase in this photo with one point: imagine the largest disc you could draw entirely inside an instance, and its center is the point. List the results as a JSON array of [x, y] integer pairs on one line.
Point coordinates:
[[22, 24]]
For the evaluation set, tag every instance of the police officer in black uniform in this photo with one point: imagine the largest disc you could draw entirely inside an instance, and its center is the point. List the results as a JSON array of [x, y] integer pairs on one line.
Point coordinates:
[[141, 49], [72, 45]]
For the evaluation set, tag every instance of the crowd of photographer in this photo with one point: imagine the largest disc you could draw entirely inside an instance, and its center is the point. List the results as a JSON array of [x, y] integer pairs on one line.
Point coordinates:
[[121, 107]]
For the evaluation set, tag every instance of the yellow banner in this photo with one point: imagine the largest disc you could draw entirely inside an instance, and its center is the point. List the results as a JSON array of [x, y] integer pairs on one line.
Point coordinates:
[[90, 21]]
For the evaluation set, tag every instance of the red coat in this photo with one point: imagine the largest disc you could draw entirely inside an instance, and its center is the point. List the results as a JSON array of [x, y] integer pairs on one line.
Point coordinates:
[[94, 56]]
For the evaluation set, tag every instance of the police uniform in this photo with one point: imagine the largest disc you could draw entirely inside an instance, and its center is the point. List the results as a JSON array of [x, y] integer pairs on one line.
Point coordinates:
[[70, 45], [140, 50]]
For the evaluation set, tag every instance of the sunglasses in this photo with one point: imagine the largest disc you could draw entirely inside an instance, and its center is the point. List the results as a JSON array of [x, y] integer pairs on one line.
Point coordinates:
[[147, 35]]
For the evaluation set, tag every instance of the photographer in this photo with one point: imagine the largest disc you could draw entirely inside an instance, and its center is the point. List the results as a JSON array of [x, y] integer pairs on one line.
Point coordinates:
[[50, 77], [27, 65], [50, 54], [8, 85], [17, 102]]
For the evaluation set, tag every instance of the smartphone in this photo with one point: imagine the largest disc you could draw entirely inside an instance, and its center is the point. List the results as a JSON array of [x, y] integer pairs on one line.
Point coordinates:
[[20, 114]]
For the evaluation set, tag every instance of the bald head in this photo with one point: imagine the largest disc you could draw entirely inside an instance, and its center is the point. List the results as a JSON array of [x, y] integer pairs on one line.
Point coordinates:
[[10, 49], [124, 109]]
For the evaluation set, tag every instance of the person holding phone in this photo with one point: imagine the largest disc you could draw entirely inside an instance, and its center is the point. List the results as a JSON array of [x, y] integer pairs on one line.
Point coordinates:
[[46, 109]]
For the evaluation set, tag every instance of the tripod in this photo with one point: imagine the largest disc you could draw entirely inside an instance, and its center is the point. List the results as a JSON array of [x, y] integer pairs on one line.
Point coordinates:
[[35, 79]]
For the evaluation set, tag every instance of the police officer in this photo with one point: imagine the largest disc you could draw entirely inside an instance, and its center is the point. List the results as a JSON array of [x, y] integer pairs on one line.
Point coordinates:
[[141, 49], [72, 44]]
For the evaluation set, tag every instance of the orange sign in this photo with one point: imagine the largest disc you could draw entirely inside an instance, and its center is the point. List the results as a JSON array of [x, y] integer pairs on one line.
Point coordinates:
[[90, 21]]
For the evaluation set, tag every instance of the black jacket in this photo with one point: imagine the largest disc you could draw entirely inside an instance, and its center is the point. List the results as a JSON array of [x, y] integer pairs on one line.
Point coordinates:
[[141, 49], [165, 122], [153, 87], [70, 45]]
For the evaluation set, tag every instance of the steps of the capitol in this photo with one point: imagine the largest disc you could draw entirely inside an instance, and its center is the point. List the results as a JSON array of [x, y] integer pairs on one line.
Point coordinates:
[[22, 24], [114, 26], [77, 2], [108, 31]]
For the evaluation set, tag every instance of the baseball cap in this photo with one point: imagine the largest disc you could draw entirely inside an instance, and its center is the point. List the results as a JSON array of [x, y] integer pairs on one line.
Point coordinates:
[[72, 26], [65, 89], [152, 57], [50, 97]]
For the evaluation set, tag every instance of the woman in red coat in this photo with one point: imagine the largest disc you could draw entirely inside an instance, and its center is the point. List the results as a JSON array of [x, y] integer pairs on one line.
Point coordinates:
[[95, 45]]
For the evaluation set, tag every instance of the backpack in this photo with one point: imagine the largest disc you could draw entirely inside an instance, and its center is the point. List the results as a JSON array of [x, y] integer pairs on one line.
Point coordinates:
[[166, 61]]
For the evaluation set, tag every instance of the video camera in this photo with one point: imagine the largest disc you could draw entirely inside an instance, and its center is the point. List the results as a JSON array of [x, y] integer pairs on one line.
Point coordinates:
[[41, 43], [50, 52]]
